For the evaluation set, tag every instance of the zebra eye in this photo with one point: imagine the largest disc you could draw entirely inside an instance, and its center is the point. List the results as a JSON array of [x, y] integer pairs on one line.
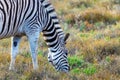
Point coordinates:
[[66, 53]]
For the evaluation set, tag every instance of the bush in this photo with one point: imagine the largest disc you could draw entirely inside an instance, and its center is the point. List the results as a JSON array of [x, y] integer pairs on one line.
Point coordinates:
[[99, 15], [90, 70], [75, 61], [79, 4], [70, 18]]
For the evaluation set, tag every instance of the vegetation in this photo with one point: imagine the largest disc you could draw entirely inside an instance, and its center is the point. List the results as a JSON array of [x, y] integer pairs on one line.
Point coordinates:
[[94, 44]]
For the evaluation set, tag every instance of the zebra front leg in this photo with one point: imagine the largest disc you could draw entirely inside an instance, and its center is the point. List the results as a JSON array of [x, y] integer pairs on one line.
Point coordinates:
[[14, 50], [33, 41]]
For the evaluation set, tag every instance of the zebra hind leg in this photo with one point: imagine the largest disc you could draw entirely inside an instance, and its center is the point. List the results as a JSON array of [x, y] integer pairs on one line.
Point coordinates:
[[14, 50], [33, 41]]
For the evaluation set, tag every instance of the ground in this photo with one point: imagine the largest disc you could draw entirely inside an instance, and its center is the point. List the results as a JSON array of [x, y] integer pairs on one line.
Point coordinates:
[[94, 44]]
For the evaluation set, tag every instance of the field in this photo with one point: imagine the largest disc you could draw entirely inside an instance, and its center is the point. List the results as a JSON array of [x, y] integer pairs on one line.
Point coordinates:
[[94, 44]]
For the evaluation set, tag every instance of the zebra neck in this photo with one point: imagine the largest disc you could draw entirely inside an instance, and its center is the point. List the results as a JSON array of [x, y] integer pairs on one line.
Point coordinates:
[[52, 13], [51, 36], [53, 31]]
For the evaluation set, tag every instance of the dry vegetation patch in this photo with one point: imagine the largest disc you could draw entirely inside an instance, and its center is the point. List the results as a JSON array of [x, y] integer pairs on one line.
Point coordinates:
[[94, 44]]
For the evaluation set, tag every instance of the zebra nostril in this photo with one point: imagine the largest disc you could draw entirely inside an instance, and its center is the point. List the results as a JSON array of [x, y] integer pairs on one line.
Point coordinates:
[[51, 62]]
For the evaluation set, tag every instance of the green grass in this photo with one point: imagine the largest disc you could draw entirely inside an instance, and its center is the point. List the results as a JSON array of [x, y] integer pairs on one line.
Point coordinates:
[[90, 70], [78, 66], [75, 61]]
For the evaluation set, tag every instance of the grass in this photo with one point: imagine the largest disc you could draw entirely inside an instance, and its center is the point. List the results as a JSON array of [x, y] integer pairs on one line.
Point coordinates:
[[75, 61], [94, 44], [90, 70]]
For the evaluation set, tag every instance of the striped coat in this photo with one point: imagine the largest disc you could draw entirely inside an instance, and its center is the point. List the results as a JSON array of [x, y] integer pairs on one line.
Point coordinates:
[[28, 18]]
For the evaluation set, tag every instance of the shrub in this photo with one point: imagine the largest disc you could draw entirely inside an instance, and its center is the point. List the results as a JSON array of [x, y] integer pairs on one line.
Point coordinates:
[[99, 15], [115, 1], [76, 71], [76, 61], [79, 4], [90, 70], [70, 18]]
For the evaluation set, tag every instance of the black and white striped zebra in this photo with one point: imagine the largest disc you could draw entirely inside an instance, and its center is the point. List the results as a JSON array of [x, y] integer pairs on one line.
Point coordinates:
[[28, 18]]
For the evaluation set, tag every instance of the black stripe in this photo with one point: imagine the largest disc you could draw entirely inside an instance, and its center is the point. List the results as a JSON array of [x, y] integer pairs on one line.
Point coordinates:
[[27, 8], [50, 34], [46, 33], [42, 1], [41, 13], [52, 45], [4, 18], [50, 21], [54, 17], [47, 5], [66, 68], [63, 64], [16, 15], [56, 23], [58, 56], [60, 32], [51, 40], [21, 11], [65, 56], [33, 8], [59, 62], [9, 20], [58, 53], [6, 5], [24, 2], [50, 27], [56, 48], [52, 10]]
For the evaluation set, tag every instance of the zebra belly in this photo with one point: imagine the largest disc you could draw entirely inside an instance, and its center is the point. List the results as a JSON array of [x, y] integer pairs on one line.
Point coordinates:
[[11, 33]]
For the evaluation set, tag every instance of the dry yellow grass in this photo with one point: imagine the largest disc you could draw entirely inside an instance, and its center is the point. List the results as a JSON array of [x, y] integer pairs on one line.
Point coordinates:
[[98, 43]]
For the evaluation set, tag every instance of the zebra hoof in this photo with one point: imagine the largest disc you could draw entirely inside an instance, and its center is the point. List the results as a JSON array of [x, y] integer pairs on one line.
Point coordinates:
[[11, 69], [36, 69]]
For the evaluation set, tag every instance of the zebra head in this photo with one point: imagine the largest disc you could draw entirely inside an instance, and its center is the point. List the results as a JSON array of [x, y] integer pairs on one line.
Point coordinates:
[[58, 58]]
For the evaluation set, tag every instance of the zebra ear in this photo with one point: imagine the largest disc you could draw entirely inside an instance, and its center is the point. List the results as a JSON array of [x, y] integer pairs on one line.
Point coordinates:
[[66, 36]]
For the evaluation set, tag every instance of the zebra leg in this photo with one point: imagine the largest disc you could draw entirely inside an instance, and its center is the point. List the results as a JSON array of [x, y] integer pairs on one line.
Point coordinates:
[[33, 41], [14, 50]]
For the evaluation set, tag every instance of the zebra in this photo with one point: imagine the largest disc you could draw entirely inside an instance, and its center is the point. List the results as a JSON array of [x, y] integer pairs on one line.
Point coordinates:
[[29, 18]]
